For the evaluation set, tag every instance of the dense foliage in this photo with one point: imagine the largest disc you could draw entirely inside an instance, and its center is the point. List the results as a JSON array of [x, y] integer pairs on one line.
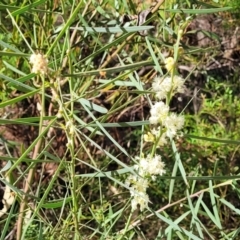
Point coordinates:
[[119, 119]]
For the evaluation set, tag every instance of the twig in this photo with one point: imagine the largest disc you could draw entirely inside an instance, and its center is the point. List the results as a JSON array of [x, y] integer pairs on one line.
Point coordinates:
[[26, 190], [30, 174]]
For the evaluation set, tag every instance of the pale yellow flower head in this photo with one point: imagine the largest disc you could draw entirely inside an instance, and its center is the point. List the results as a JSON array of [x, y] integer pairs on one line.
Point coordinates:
[[156, 134], [173, 124], [180, 32], [159, 112], [163, 86], [169, 64], [138, 190], [147, 168], [149, 137], [150, 166], [39, 63], [70, 127]]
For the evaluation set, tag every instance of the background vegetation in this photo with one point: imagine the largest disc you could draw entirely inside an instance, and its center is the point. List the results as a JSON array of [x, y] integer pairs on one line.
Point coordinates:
[[69, 137]]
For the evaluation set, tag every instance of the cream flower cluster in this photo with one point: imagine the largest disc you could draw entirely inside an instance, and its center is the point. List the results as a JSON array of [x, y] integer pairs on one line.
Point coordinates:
[[150, 166], [170, 123], [138, 188], [39, 63], [165, 124], [159, 113], [165, 87], [138, 184]]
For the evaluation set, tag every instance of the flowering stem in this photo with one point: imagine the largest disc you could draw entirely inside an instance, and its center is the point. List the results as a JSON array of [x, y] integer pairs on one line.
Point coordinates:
[[154, 147]]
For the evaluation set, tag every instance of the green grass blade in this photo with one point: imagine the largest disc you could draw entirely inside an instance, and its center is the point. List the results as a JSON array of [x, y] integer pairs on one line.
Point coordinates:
[[18, 99], [113, 29], [200, 11], [27, 8]]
